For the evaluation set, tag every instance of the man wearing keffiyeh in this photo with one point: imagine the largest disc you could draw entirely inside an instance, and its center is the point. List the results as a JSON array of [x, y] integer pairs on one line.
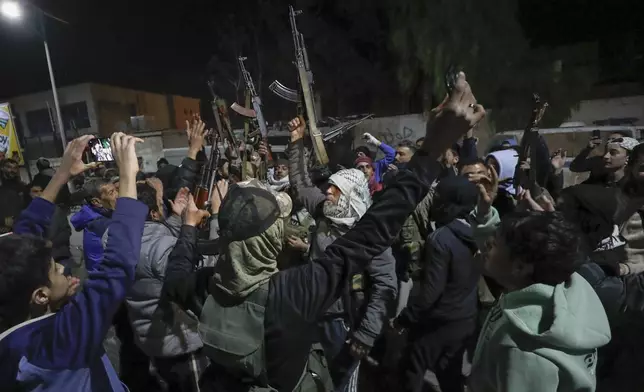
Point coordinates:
[[358, 315]]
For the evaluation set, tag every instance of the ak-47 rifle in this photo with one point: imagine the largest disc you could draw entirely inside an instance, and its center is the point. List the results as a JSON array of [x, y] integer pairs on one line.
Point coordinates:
[[202, 192], [305, 78], [255, 112], [528, 149], [222, 121]]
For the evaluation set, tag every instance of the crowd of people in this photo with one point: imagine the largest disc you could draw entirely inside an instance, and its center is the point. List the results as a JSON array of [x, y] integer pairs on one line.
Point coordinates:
[[433, 268]]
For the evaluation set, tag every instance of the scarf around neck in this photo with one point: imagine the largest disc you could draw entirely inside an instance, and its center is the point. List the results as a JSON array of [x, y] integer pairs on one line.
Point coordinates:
[[277, 185], [354, 199]]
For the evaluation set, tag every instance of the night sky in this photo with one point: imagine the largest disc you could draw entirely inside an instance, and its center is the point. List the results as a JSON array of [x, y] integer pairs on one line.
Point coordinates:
[[167, 49]]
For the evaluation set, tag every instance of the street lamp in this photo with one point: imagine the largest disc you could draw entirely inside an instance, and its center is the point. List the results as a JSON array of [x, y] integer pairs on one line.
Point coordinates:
[[13, 10]]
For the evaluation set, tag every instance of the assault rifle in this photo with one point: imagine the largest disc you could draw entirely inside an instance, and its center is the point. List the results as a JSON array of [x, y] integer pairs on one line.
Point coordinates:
[[528, 149], [202, 192], [305, 92], [222, 121], [255, 112]]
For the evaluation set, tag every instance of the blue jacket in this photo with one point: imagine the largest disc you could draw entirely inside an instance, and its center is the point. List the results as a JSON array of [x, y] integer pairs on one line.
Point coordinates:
[[380, 166], [63, 351], [93, 221]]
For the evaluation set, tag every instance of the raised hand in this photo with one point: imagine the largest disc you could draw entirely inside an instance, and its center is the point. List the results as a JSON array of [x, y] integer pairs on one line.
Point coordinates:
[[193, 216], [371, 139], [458, 114], [594, 142], [262, 150], [70, 165], [72, 162], [488, 189], [180, 201], [558, 160], [124, 150], [297, 243], [296, 127], [219, 192], [196, 131], [542, 204]]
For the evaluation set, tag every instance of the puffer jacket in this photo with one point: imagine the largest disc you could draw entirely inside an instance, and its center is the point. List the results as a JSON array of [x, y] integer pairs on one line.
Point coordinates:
[[161, 329]]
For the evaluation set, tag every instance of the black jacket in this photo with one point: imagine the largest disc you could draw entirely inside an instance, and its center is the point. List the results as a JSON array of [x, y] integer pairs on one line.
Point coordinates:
[[59, 233], [449, 278], [175, 178], [299, 297]]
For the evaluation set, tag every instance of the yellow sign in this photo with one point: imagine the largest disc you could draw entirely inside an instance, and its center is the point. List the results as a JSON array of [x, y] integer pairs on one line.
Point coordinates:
[[9, 143]]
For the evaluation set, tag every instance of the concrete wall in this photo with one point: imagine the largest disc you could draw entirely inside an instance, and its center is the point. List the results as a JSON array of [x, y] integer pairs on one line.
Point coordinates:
[[66, 95], [116, 105], [603, 109]]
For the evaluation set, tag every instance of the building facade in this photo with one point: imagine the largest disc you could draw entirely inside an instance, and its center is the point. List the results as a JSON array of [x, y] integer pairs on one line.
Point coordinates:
[[96, 109]]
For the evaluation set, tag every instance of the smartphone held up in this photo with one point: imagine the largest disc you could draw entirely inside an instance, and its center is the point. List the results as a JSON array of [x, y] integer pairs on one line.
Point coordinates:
[[99, 150]]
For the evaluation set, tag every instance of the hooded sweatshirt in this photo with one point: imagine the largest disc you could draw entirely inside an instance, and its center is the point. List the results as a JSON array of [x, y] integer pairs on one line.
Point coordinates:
[[449, 279], [541, 338], [507, 160], [93, 221]]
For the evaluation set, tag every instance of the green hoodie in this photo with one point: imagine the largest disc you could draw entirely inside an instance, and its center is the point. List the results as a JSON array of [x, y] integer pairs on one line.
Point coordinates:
[[540, 338]]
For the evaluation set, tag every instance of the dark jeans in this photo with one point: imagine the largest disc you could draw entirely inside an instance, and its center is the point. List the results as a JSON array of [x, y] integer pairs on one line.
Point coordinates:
[[439, 348], [182, 373]]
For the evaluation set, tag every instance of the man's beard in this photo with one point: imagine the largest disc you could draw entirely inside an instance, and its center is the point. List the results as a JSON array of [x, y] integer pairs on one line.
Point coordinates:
[[331, 209], [9, 177]]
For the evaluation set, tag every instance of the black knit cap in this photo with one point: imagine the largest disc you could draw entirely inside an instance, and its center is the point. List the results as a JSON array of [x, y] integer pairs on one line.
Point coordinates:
[[246, 212]]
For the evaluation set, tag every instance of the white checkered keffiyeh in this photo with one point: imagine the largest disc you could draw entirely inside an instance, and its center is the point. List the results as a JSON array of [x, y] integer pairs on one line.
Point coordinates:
[[627, 143], [354, 200]]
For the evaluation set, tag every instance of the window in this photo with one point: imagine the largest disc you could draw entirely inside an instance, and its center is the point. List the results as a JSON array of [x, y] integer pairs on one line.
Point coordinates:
[[75, 116], [39, 122]]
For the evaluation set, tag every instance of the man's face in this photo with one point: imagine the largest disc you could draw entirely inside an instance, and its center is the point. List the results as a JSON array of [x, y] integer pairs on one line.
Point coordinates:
[[35, 191], [419, 144], [281, 171], [498, 265], [161, 165], [330, 207], [10, 170], [403, 155], [477, 169], [108, 196], [506, 145], [332, 195], [366, 169], [615, 157], [59, 290], [360, 154], [450, 158]]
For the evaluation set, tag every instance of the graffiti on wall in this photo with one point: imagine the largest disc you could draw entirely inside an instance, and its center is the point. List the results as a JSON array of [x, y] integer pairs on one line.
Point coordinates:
[[392, 130], [394, 137]]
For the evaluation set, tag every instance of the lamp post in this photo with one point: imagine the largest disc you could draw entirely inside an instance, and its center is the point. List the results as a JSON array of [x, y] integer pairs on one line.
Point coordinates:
[[13, 10]]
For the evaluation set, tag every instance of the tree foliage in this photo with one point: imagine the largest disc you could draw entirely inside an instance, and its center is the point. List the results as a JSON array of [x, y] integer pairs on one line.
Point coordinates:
[[389, 56], [427, 36]]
